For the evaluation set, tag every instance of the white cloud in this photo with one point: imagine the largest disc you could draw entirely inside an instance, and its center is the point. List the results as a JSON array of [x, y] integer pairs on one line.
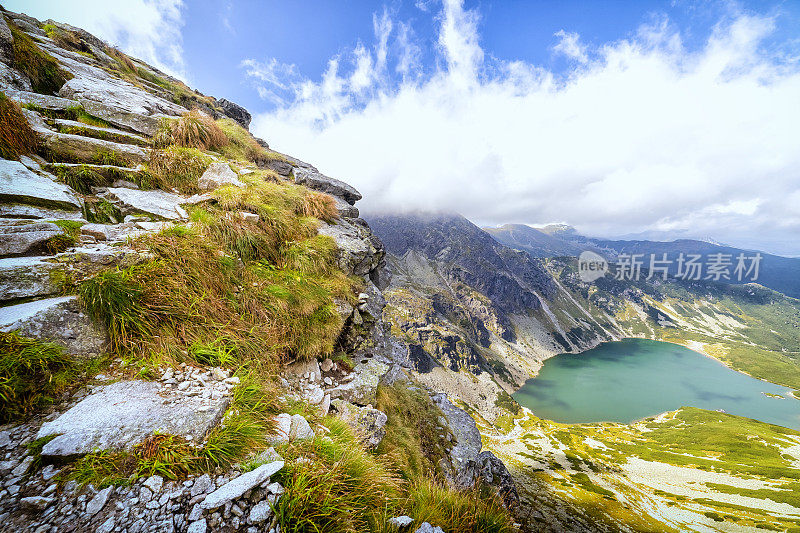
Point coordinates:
[[642, 135], [146, 29], [569, 45]]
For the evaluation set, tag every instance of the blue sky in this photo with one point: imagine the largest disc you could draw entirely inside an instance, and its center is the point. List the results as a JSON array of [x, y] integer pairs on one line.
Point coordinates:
[[678, 118]]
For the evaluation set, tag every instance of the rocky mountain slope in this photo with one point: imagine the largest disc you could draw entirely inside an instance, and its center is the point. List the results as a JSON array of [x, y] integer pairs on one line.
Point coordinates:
[[776, 272], [191, 331]]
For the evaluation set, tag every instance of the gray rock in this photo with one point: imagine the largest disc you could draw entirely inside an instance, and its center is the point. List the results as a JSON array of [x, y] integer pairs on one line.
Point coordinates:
[[59, 320], [22, 467], [374, 301], [401, 521], [97, 503], [260, 512], [239, 485], [361, 390], [35, 503], [196, 513], [427, 528], [158, 203], [23, 237], [54, 103], [119, 102], [218, 175], [106, 527], [19, 185], [199, 526], [154, 483], [77, 148], [464, 453], [300, 429], [235, 111], [495, 474], [368, 423], [283, 428], [319, 182], [283, 168], [23, 277], [122, 414], [345, 209], [359, 251], [201, 485]]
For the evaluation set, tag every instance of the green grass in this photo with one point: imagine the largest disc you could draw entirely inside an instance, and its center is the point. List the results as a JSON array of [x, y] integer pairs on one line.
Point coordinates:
[[413, 432], [76, 113], [241, 145], [42, 69], [81, 178], [177, 168], [33, 374], [102, 135]]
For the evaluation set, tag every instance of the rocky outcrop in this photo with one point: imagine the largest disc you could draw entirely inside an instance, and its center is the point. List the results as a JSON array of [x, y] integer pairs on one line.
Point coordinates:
[[236, 112], [160, 204], [367, 422], [319, 182]]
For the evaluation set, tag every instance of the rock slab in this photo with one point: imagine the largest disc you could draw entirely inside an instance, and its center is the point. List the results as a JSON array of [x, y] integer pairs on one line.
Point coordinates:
[[238, 486], [122, 414]]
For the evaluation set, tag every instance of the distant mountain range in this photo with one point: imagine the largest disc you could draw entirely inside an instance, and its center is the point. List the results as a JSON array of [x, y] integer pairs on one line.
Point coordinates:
[[776, 272]]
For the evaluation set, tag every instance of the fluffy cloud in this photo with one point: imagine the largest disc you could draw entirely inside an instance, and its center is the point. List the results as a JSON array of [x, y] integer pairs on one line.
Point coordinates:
[[147, 29], [642, 134]]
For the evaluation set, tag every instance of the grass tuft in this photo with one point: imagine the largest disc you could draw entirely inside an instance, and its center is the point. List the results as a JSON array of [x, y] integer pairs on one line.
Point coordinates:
[[32, 374], [177, 168], [195, 129], [16, 136], [81, 178]]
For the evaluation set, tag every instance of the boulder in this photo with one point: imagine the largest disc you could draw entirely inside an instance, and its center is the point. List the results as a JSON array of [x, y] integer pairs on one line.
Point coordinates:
[[300, 430], [260, 512], [24, 277], [359, 251], [59, 320], [122, 414], [120, 102], [155, 202], [368, 423], [401, 521], [77, 148], [361, 390], [283, 428], [235, 111], [18, 237], [239, 485], [18, 184], [218, 175], [322, 183]]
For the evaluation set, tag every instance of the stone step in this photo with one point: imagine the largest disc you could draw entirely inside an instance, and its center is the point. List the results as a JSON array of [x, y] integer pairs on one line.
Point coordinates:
[[40, 276], [20, 185], [53, 103], [78, 149], [110, 172], [58, 320], [158, 203], [122, 137], [26, 237]]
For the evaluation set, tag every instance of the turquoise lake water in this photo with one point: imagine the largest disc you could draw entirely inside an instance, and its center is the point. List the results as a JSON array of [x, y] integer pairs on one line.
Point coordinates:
[[635, 378]]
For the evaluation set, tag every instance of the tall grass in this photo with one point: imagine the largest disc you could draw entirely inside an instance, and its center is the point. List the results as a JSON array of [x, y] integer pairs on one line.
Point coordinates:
[[177, 168], [16, 136], [195, 129], [242, 146], [32, 374]]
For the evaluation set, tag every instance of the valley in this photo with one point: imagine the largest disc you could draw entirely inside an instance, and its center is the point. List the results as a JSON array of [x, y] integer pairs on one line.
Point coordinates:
[[684, 469]]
